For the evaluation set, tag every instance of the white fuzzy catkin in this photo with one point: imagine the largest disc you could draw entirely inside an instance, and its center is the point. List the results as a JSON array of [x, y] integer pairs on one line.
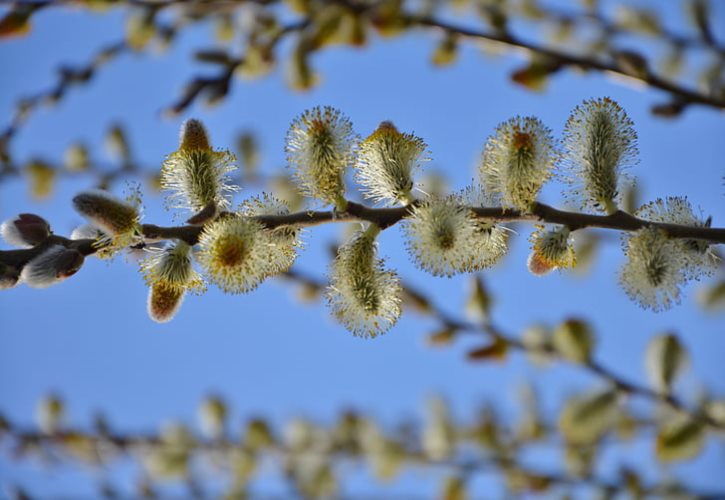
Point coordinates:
[[698, 259], [444, 238], [320, 145], [196, 175], [386, 162], [283, 241], [362, 295], [654, 271], [600, 143], [517, 159], [234, 253]]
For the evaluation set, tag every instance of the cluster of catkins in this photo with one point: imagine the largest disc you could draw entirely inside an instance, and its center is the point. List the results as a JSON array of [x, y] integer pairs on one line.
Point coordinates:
[[444, 236]]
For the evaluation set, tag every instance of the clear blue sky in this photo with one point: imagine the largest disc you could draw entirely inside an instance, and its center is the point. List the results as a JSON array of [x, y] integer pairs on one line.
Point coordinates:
[[90, 339]]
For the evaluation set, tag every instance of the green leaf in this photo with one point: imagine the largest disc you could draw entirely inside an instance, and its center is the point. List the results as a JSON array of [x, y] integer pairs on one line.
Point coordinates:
[[574, 341], [585, 419], [665, 359], [681, 439]]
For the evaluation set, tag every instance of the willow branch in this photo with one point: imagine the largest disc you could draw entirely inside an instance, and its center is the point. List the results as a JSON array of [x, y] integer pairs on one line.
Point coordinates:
[[552, 14], [67, 77], [422, 303], [645, 76], [105, 445], [387, 217]]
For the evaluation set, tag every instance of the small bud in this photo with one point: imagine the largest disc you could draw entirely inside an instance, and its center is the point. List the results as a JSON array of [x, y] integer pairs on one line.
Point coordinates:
[[438, 434], [631, 63], [76, 158], [654, 271], [446, 52], [41, 177], [600, 143], [213, 417], [258, 435], [117, 144], [320, 145], [362, 295], [386, 162], [517, 160], [170, 457], [573, 340], [300, 75], [193, 136], [111, 215], [537, 341], [551, 250], [665, 360], [445, 238], [140, 29], [50, 413], [52, 266], [25, 230], [196, 175]]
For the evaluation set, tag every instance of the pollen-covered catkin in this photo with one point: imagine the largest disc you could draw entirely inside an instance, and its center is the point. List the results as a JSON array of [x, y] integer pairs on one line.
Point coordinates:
[[169, 274], [320, 145], [444, 237], [233, 253], [196, 176], [517, 159], [386, 163]]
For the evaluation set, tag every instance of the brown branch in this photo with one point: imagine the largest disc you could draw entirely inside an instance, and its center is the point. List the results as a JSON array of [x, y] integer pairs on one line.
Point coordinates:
[[386, 217]]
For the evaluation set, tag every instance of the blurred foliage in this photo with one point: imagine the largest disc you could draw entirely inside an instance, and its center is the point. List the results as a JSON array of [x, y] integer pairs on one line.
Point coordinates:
[[312, 457]]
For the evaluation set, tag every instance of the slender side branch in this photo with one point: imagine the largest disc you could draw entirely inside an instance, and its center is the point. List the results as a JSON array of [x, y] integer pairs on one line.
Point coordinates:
[[422, 303], [681, 94]]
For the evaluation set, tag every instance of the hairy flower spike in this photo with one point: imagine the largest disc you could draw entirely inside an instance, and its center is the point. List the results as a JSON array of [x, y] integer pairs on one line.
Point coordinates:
[[283, 241], [551, 250], [118, 219], [362, 295], [654, 270], [386, 163], [234, 253], [699, 260], [52, 266], [169, 274], [196, 175], [600, 142], [517, 160], [445, 238], [320, 145]]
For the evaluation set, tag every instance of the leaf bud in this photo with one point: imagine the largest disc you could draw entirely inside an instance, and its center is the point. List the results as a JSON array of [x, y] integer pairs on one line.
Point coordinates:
[[25, 230]]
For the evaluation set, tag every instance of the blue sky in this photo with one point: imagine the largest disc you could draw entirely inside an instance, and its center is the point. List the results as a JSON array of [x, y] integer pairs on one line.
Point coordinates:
[[90, 339]]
